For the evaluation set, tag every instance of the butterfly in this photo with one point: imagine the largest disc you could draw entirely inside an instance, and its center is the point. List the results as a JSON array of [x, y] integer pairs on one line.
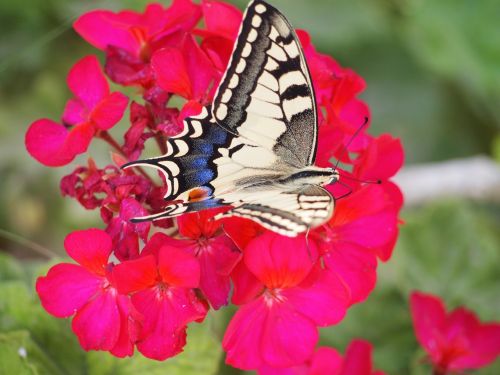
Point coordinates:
[[254, 147]]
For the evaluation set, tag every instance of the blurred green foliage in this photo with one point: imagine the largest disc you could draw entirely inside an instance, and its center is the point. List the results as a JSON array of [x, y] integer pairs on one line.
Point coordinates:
[[432, 69]]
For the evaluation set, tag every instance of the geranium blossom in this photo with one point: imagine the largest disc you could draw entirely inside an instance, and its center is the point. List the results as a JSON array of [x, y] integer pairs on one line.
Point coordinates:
[[294, 298], [216, 252], [162, 285], [357, 361], [103, 319], [92, 109], [454, 341], [168, 273]]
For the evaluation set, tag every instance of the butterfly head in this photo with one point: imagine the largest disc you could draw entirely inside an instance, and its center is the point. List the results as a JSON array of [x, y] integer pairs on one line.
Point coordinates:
[[334, 176]]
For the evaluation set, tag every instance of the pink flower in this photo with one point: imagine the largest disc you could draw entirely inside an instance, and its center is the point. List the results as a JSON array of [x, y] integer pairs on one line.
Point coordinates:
[[357, 361], [130, 38], [185, 71], [454, 341], [381, 160], [216, 252], [92, 109], [103, 319], [366, 219], [292, 296], [124, 233], [138, 34], [222, 23], [162, 285]]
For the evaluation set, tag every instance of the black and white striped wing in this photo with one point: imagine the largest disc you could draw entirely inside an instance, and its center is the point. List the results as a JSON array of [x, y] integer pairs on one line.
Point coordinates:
[[286, 213], [266, 95]]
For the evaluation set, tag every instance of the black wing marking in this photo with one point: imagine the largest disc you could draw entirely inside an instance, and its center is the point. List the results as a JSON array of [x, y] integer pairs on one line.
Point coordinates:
[[189, 161], [287, 213], [181, 208], [266, 94]]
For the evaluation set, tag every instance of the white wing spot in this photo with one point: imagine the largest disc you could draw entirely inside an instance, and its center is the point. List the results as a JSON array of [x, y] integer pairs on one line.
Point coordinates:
[[222, 111], [198, 130], [246, 50], [241, 66], [274, 34], [271, 64], [252, 35], [268, 80], [296, 106], [260, 8], [171, 166], [291, 78], [277, 52], [292, 50], [234, 81], [182, 146], [227, 95], [256, 21]]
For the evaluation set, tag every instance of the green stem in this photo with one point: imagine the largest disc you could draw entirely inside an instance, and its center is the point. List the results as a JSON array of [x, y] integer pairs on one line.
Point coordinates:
[[39, 249]]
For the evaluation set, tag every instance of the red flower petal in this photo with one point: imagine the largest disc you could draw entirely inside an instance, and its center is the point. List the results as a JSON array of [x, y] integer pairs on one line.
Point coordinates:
[[171, 72], [358, 358], [278, 261], [244, 335], [79, 138], [429, 317], [74, 112], [102, 28], [217, 260], [135, 275], [66, 288], [324, 302], [221, 18], [90, 248], [357, 269], [166, 312], [326, 361], [381, 160], [109, 110], [246, 286], [45, 141], [129, 328], [87, 82], [178, 268], [98, 323], [288, 338]]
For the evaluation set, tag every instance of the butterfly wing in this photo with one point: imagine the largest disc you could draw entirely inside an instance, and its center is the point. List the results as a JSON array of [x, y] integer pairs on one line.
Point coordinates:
[[206, 157], [266, 95], [286, 212]]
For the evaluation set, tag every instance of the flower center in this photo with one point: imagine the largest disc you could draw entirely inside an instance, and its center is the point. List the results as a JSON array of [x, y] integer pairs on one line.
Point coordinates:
[[272, 296]]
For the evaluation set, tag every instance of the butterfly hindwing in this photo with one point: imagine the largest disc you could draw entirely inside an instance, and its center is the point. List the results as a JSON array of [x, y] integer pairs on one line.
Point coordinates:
[[266, 94], [286, 212]]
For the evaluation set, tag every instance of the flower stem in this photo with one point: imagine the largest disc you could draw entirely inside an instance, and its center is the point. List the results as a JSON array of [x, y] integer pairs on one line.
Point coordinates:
[[13, 237]]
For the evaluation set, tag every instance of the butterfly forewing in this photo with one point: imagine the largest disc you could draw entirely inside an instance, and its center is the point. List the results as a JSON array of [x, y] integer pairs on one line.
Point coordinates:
[[266, 94]]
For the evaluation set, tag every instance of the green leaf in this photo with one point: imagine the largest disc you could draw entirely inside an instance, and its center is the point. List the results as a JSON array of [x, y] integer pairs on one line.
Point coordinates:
[[201, 356]]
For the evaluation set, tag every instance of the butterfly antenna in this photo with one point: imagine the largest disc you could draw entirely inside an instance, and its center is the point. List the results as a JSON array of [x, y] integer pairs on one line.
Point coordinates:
[[376, 182], [356, 133]]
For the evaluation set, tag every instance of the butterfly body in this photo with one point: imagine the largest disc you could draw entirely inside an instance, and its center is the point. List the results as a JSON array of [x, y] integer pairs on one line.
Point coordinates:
[[254, 148]]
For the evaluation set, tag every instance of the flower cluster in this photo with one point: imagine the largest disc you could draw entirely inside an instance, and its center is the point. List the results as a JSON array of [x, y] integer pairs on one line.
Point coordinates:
[[140, 285], [454, 342]]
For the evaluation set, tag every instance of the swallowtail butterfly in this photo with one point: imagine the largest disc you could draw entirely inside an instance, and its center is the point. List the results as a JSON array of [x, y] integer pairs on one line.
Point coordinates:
[[254, 147]]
